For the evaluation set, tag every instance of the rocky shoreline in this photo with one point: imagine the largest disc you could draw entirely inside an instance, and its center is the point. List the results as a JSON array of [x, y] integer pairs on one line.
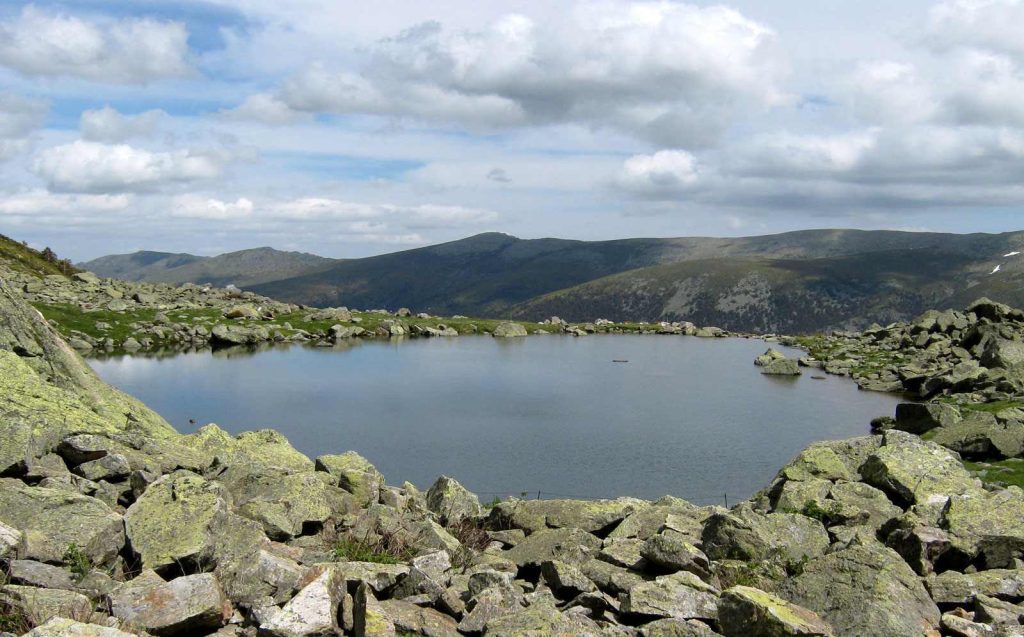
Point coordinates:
[[99, 316], [112, 523]]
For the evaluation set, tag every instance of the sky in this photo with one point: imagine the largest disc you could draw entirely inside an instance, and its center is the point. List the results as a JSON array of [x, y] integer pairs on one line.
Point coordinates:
[[355, 128]]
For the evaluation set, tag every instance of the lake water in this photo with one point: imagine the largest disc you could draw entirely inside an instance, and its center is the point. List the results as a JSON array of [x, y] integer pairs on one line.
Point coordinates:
[[688, 417]]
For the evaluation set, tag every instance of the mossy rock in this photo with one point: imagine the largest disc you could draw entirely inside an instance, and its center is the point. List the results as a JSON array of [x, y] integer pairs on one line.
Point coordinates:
[[51, 520]]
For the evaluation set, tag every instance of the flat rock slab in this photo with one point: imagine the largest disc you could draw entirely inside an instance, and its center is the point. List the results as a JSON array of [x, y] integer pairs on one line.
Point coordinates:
[[61, 627], [185, 605]]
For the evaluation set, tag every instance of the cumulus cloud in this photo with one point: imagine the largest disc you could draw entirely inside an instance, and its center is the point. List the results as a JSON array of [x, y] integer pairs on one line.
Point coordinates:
[[663, 71], [19, 117], [83, 166], [666, 173], [130, 50], [108, 125], [993, 25]]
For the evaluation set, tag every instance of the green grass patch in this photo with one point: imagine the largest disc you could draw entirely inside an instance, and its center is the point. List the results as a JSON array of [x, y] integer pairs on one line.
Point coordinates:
[[1002, 472], [993, 407], [350, 549]]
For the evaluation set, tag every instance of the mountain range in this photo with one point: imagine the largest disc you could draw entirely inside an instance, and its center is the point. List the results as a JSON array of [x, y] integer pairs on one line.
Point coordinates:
[[792, 282]]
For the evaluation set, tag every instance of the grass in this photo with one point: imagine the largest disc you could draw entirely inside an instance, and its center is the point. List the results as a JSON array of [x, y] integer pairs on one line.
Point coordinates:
[[77, 562], [1002, 472], [382, 546], [22, 258]]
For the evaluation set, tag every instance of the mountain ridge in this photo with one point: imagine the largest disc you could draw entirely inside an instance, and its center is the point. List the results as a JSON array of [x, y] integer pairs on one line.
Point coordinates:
[[805, 280]]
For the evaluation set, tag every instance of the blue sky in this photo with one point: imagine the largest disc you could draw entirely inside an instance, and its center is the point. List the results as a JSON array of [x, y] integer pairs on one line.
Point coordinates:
[[350, 129]]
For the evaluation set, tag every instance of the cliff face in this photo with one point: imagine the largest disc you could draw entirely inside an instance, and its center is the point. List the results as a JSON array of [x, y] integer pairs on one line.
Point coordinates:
[[111, 524]]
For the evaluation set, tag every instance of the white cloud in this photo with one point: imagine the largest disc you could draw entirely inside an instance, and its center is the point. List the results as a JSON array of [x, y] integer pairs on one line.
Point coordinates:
[[83, 166], [666, 173], [267, 109], [130, 50], [108, 125], [993, 25], [664, 71], [40, 203], [197, 207], [19, 118]]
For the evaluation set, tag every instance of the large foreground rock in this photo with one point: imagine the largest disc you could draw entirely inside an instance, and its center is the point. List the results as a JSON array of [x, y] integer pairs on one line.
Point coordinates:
[[51, 520], [175, 521], [185, 605], [749, 612], [916, 471], [63, 627], [865, 591]]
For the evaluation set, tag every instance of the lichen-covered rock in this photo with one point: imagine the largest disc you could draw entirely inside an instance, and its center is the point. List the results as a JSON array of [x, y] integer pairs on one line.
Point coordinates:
[[185, 605], [51, 520], [951, 587], [749, 612], [451, 502], [566, 580], [43, 604], [175, 521], [354, 474], [509, 330], [593, 516], [63, 627], [417, 620], [782, 367], [32, 573], [989, 524], [916, 471], [10, 538], [681, 595], [283, 503], [666, 513], [745, 534], [669, 550], [568, 545], [541, 620], [864, 591]]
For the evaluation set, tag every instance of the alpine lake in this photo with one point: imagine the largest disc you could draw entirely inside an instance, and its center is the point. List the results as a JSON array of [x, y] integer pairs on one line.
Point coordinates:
[[544, 416]]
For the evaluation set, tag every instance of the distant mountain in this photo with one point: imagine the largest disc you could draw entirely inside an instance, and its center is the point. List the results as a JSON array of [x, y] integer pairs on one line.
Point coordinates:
[[243, 268], [796, 281], [791, 282]]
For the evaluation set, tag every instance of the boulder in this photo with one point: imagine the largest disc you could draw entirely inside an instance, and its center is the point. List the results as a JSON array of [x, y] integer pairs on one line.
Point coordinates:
[[51, 520], [567, 545], [62, 627], [32, 573], [285, 504], [43, 604], [782, 367], [509, 330], [540, 619], [988, 525], [953, 588], [919, 418], [593, 516], [185, 605], [749, 612], [566, 580], [10, 539], [175, 520], [313, 611], [915, 471], [864, 591], [681, 595], [451, 502], [745, 534], [354, 474], [417, 620], [768, 357], [669, 550]]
